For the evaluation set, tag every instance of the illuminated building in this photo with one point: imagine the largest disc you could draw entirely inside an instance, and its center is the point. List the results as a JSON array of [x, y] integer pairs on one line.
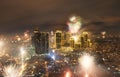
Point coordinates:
[[36, 40], [88, 43], [85, 34], [77, 46], [85, 41], [63, 41], [40, 41], [72, 42], [67, 36], [82, 41], [44, 40], [58, 35], [52, 40]]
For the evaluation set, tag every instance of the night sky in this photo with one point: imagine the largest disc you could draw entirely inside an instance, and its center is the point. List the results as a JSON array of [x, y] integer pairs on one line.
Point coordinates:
[[21, 15]]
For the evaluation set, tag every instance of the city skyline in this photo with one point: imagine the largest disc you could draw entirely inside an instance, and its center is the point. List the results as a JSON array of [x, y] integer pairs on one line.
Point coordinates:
[[59, 38]]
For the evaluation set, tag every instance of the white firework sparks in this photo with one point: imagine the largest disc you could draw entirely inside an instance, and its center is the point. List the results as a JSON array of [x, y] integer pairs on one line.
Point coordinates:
[[74, 24], [12, 71], [89, 67], [86, 61], [87, 64]]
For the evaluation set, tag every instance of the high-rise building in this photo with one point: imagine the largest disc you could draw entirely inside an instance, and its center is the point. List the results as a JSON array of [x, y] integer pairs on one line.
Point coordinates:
[[85, 34], [63, 39], [58, 35], [44, 40], [40, 41], [36, 40], [88, 43], [72, 43], [77, 46], [52, 40], [82, 41], [67, 36], [66, 39]]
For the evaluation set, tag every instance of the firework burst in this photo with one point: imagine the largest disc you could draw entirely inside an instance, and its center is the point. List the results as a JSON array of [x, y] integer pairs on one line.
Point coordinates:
[[74, 24], [13, 71]]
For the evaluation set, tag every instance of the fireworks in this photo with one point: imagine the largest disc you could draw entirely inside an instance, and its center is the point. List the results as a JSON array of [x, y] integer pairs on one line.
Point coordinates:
[[67, 74], [12, 71], [74, 24], [86, 61]]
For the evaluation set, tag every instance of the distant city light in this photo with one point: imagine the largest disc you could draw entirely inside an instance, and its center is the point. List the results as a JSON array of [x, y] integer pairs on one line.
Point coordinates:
[[52, 54], [53, 57], [66, 55], [19, 39], [103, 33], [53, 51]]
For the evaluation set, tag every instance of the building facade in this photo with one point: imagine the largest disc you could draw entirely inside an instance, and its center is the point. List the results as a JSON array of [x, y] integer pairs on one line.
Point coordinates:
[[41, 42]]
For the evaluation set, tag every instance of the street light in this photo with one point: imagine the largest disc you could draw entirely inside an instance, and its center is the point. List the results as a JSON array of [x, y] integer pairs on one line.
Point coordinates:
[[52, 54]]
